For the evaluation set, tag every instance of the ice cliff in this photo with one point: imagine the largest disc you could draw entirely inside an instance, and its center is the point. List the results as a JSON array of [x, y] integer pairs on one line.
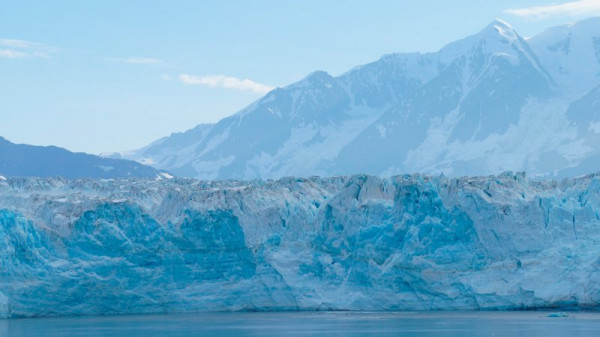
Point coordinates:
[[72, 247]]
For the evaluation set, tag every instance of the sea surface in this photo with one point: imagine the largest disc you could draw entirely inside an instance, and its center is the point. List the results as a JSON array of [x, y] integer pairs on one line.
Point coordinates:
[[529, 323]]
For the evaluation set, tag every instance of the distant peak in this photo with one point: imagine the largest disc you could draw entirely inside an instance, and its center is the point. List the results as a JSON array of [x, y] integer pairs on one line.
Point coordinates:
[[499, 27], [318, 75], [590, 23], [592, 20], [497, 38], [589, 27], [500, 23]]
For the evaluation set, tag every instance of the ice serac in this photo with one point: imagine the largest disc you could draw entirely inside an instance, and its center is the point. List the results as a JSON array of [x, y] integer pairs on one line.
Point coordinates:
[[411, 242]]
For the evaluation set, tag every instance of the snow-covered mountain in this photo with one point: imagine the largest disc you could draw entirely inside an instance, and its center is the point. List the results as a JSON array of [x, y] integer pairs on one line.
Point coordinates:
[[350, 243], [491, 102], [20, 160]]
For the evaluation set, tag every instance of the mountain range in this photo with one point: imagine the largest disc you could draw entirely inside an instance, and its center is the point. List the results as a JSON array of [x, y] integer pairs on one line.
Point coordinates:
[[20, 160], [491, 102]]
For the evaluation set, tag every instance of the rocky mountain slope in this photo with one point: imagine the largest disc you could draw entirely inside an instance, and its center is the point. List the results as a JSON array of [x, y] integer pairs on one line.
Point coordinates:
[[491, 102], [20, 160]]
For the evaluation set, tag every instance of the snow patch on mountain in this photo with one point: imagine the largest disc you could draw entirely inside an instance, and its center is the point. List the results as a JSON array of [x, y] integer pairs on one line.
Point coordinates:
[[569, 53], [298, 151]]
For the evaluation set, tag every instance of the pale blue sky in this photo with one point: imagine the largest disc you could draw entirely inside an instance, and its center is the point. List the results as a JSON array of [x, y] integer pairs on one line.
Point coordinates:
[[100, 76]]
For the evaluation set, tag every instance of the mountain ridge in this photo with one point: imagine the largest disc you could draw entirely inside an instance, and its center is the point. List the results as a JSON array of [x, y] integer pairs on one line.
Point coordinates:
[[21, 160], [412, 242], [459, 111]]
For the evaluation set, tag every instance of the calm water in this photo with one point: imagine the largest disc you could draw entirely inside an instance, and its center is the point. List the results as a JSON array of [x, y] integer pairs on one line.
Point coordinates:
[[528, 324]]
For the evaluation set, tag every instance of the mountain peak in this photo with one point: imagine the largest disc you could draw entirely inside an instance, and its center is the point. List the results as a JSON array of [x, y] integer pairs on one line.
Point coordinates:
[[593, 22], [497, 38], [313, 78], [501, 23], [587, 27], [501, 28], [318, 75]]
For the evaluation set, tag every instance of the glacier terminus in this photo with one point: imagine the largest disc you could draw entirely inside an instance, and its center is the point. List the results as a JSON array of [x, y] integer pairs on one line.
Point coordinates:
[[409, 242]]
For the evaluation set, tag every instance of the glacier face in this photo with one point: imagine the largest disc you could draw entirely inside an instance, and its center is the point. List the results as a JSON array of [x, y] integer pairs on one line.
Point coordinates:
[[488, 103], [347, 243]]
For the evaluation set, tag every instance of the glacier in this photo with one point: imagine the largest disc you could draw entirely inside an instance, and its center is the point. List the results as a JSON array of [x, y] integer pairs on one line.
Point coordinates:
[[408, 242]]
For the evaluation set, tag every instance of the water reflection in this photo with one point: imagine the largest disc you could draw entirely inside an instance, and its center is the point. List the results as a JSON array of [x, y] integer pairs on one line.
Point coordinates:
[[530, 324]]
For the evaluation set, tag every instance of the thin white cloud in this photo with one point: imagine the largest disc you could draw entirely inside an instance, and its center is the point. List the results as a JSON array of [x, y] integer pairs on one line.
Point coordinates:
[[139, 60], [142, 60], [19, 49], [574, 8], [22, 44], [227, 82], [12, 54]]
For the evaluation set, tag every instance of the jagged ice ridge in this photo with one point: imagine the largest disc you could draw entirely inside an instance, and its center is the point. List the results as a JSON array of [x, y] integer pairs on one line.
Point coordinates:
[[414, 242]]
